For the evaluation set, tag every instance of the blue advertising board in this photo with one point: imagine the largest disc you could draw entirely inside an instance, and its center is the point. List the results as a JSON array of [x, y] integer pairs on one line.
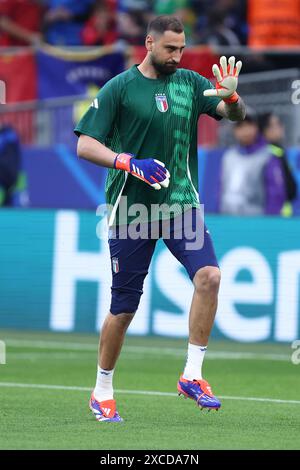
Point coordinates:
[[55, 275]]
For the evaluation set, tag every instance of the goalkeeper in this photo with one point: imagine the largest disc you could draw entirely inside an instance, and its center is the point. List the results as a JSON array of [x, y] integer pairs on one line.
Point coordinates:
[[143, 127]]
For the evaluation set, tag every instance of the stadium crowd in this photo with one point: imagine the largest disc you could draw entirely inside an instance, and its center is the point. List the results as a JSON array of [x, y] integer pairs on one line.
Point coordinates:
[[102, 22]]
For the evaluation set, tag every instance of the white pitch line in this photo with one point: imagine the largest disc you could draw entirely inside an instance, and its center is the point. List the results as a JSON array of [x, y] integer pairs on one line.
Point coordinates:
[[45, 355], [140, 392], [45, 386], [38, 344], [85, 347]]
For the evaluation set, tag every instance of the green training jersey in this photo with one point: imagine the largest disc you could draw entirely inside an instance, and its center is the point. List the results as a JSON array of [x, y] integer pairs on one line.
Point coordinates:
[[151, 118]]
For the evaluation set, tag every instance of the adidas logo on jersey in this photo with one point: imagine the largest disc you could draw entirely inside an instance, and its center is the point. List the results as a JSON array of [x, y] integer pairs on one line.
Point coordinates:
[[95, 103]]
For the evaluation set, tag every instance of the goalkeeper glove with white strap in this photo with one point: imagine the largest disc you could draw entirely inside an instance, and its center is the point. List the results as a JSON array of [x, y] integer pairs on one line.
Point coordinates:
[[227, 80], [152, 172]]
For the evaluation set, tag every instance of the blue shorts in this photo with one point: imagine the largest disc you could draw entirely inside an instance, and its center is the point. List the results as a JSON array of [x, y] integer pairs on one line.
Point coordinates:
[[185, 236]]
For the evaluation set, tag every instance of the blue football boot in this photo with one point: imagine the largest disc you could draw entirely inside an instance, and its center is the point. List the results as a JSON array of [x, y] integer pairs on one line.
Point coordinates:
[[200, 391]]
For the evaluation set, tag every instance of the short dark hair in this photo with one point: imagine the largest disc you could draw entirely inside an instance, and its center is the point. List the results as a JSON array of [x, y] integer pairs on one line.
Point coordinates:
[[163, 23], [265, 119]]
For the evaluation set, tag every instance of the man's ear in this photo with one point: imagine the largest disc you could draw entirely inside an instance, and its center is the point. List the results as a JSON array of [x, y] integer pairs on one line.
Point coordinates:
[[149, 42]]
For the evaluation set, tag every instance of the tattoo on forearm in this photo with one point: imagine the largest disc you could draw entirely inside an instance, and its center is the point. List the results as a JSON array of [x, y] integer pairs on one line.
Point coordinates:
[[236, 111]]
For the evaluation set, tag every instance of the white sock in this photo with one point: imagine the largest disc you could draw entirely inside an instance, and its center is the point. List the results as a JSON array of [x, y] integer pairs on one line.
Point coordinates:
[[104, 388], [193, 366]]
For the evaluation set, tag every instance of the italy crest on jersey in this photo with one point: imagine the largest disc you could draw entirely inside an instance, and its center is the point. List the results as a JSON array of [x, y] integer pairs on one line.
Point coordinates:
[[115, 265], [161, 103]]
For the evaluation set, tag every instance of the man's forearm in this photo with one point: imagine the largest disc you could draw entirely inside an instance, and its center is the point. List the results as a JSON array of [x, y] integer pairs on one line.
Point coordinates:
[[93, 151], [233, 112]]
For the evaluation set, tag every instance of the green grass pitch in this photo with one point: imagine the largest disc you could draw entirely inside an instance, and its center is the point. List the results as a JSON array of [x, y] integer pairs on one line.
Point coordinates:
[[46, 382]]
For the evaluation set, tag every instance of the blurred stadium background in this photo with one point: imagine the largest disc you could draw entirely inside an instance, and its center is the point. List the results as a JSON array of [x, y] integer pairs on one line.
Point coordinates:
[[54, 270]]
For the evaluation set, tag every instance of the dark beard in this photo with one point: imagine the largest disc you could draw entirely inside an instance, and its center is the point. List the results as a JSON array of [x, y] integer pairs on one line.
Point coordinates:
[[163, 69]]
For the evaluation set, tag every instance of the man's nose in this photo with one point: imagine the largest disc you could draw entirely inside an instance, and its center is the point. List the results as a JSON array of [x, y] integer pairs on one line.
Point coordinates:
[[176, 56]]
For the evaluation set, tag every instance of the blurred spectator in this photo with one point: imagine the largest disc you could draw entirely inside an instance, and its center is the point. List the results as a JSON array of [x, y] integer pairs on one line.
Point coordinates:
[[236, 17], [217, 33], [252, 180], [273, 131], [133, 5], [64, 21], [133, 18], [20, 22], [232, 14], [10, 165], [169, 7], [180, 8], [101, 28]]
